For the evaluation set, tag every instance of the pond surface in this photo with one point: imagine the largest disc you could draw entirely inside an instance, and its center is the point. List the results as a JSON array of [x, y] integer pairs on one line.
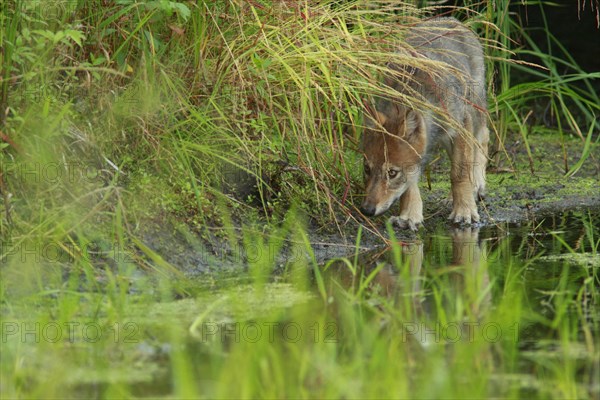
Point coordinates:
[[500, 311]]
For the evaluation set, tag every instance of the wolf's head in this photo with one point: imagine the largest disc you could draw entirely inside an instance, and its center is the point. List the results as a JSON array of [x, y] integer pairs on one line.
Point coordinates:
[[394, 144]]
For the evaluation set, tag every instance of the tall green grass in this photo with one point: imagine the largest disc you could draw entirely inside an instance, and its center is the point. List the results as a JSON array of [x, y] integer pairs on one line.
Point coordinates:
[[526, 75], [185, 96], [455, 317]]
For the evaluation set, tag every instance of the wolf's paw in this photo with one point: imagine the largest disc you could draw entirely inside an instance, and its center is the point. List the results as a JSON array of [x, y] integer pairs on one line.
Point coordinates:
[[464, 215], [406, 223]]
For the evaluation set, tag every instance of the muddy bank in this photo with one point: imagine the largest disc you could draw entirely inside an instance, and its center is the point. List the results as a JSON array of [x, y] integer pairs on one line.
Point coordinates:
[[520, 189]]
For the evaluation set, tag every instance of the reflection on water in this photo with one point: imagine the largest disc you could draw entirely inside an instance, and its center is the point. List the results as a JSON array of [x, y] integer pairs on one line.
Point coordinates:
[[534, 286], [465, 270], [464, 257]]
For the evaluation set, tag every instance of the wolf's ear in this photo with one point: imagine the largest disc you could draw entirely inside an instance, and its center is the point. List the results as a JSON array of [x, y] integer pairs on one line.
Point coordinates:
[[413, 124], [414, 130], [380, 117], [376, 118]]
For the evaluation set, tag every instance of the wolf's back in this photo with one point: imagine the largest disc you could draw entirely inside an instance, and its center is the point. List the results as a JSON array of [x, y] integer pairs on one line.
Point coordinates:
[[448, 41]]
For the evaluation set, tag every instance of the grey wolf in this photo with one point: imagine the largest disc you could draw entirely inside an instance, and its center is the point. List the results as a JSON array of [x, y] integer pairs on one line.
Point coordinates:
[[446, 83]]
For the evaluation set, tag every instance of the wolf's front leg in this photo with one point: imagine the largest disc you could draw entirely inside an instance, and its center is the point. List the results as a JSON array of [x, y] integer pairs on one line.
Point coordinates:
[[464, 209], [481, 154], [411, 209]]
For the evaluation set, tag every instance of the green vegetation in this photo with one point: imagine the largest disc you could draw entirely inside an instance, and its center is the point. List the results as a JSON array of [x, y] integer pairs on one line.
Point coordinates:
[[469, 313], [234, 126]]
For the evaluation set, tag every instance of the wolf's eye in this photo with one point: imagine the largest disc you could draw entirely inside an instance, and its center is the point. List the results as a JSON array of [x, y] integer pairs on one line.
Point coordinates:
[[392, 173], [367, 170]]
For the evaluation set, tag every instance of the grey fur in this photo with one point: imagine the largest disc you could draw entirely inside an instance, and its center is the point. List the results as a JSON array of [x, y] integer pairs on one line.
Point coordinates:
[[442, 82], [462, 91]]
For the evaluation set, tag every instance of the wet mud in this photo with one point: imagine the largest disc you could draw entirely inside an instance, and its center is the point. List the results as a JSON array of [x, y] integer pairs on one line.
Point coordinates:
[[520, 189]]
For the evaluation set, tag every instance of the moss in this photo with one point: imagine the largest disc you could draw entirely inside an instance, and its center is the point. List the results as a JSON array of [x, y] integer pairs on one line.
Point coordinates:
[[586, 260]]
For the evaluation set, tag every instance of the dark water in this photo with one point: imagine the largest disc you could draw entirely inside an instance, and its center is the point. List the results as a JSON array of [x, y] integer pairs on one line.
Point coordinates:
[[555, 264]]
